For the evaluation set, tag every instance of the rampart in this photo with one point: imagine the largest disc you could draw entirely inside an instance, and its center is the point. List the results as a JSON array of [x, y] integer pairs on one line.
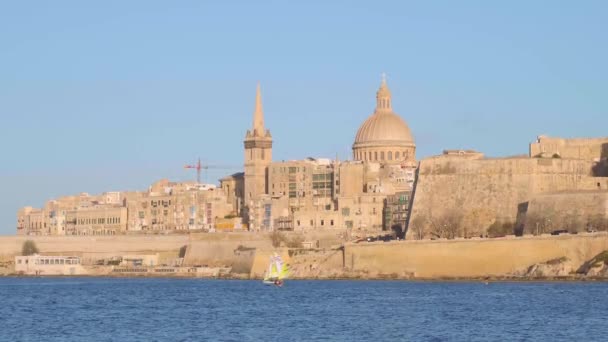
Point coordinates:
[[572, 211], [486, 190], [79, 245], [581, 148], [469, 258]]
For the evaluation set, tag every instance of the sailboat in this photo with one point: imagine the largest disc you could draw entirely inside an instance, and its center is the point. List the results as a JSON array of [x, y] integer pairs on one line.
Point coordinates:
[[276, 272]]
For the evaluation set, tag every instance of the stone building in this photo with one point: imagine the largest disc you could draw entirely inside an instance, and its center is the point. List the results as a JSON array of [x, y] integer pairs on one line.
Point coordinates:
[[396, 212], [165, 207], [318, 193], [258, 154], [593, 149], [171, 206], [385, 137]]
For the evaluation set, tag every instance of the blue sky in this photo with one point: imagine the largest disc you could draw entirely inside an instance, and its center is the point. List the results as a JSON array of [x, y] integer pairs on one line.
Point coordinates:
[[113, 95]]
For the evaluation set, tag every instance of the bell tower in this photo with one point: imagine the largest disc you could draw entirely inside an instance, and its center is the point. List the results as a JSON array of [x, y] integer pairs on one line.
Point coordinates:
[[258, 154]]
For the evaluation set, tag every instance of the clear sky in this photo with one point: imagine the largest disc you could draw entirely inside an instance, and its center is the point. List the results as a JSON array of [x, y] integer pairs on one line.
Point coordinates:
[[113, 95]]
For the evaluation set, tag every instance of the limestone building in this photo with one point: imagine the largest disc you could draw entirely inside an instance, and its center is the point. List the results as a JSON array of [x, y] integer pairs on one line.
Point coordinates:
[[384, 137], [258, 154], [593, 149], [319, 193], [165, 207]]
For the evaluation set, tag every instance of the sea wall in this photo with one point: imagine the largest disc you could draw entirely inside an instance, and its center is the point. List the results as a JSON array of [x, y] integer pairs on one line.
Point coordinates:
[[469, 258], [486, 190], [248, 254], [80, 245], [236, 250]]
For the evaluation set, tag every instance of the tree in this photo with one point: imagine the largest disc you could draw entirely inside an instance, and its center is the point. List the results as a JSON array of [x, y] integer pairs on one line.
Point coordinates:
[[447, 225], [597, 223], [417, 226], [498, 229], [29, 248], [533, 224], [537, 224]]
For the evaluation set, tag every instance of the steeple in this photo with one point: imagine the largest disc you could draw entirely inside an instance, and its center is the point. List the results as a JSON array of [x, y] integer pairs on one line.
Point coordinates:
[[258, 114], [383, 97]]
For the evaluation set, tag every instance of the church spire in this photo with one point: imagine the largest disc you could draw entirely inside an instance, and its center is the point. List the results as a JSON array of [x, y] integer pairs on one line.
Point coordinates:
[[258, 114], [383, 97]]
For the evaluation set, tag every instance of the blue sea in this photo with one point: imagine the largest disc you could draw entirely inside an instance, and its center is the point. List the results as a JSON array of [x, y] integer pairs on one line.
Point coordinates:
[[98, 309]]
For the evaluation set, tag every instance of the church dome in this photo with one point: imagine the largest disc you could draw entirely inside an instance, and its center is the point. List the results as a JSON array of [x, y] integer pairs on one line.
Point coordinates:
[[384, 136], [384, 128]]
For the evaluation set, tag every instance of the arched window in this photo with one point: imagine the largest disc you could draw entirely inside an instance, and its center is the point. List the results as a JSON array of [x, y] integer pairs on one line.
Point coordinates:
[[396, 155], [376, 155], [390, 155], [370, 156], [382, 155]]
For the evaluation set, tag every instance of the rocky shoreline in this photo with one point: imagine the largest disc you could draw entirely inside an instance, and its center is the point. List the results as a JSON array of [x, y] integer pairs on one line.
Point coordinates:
[[343, 277]]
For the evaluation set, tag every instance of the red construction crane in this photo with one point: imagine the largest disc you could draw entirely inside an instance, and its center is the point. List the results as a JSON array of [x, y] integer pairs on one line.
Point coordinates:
[[198, 167]]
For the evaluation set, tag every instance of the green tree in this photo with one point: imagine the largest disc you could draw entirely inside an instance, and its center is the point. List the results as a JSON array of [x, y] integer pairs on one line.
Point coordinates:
[[29, 248]]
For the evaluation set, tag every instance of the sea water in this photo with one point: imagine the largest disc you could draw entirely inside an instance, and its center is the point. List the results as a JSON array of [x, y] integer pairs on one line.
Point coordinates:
[[111, 309]]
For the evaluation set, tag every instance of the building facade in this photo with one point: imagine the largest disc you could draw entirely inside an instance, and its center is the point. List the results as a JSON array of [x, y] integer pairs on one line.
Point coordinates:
[[318, 193], [165, 207]]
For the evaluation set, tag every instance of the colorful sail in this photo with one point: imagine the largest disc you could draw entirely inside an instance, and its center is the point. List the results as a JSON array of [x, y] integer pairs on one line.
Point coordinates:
[[277, 269]]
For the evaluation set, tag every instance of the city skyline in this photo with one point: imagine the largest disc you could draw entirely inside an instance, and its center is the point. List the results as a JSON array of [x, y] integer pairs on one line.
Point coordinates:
[[76, 122]]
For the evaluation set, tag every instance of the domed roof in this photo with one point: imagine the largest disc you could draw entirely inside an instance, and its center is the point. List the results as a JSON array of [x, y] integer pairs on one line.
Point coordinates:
[[384, 127]]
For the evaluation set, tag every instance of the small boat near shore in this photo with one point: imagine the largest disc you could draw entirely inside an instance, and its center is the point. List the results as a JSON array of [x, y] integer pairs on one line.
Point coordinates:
[[277, 271]]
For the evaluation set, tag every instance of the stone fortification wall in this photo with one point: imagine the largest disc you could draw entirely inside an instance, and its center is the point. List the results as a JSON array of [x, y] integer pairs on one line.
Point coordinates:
[[483, 191], [103, 245], [236, 250], [469, 258], [582, 148], [573, 211]]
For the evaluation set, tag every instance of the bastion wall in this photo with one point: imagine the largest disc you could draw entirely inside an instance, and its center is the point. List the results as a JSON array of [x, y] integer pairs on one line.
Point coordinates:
[[469, 258], [487, 190]]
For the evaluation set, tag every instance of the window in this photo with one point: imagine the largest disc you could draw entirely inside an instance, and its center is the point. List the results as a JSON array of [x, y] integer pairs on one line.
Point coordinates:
[[311, 223], [263, 153], [382, 155], [390, 155], [298, 222], [376, 155], [331, 222], [322, 222], [396, 155]]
